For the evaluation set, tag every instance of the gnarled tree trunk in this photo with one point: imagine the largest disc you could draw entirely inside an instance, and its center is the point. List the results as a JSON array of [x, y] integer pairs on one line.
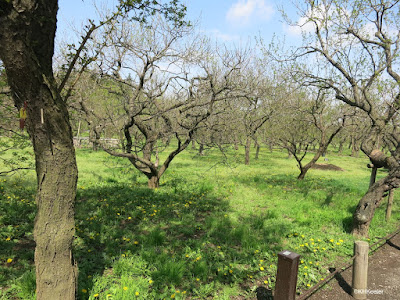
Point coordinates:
[[26, 49], [365, 210]]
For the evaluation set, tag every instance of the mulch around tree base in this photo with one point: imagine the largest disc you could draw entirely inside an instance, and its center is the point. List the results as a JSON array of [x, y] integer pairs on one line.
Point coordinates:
[[383, 277]]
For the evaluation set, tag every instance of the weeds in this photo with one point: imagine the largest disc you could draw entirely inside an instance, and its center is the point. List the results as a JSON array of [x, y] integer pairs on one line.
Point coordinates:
[[204, 233]]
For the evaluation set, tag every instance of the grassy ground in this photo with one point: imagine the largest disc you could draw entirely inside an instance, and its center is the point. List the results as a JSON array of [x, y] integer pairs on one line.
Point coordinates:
[[212, 230]]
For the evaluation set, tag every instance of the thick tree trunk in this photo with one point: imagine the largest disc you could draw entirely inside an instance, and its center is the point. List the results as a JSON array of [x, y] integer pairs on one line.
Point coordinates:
[[96, 141], [153, 182], [26, 49], [365, 210], [247, 151]]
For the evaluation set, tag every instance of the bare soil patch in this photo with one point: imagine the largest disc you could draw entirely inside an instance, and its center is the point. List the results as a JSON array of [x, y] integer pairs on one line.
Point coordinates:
[[328, 167]]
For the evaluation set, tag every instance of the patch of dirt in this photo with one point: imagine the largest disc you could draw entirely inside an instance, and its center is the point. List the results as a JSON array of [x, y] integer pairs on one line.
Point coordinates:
[[328, 167]]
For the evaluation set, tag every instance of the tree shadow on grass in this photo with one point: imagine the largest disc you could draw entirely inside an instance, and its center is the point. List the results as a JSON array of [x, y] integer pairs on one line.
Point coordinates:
[[17, 212], [184, 234]]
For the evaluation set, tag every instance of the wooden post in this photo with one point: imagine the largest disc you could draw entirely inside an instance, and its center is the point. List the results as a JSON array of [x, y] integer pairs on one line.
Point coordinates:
[[389, 205], [286, 277], [373, 176], [360, 270]]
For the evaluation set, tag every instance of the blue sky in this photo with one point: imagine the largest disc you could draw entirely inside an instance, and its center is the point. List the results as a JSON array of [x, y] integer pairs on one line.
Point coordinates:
[[231, 21]]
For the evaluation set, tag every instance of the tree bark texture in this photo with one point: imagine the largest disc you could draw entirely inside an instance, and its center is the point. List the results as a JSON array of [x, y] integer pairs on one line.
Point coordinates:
[[153, 182], [365, 210], [26, 49]]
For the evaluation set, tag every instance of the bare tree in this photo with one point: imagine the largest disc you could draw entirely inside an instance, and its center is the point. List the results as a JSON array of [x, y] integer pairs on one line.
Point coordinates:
[[352, 48], [26, 50], [313, 120], [167, 84]]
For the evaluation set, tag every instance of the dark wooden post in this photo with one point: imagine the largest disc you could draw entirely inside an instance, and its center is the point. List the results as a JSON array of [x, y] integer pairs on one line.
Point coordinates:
[[286, 277], [389, 205]]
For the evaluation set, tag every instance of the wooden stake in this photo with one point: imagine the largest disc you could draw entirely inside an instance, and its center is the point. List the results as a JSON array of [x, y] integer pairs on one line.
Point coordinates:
[[373, 176], [41, 116], [360, 270], [389, 205], [286, 277]]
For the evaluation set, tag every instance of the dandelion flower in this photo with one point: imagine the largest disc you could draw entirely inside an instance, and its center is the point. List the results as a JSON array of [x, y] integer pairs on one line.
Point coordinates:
[[261, 269], [9, 260], [125, 288], [96, 295], [84, 291], [136, 294]]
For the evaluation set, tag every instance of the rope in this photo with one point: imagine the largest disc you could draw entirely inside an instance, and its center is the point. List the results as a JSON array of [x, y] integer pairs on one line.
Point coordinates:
[[345, 266]]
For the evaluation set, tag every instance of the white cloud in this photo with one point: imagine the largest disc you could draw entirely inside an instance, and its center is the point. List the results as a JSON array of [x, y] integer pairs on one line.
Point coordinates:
[[302, 26], [223, 36], [245, 10]]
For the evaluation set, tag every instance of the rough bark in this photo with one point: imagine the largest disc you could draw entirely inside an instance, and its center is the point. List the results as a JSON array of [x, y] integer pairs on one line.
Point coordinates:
[[153, 182], [26, 49], [366, 208]]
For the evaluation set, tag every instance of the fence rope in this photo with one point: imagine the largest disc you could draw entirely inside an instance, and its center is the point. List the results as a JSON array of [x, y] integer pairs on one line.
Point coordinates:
[[345, 266]]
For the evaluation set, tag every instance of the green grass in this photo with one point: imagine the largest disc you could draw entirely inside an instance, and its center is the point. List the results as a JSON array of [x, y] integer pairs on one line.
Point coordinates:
[[213, 229]]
